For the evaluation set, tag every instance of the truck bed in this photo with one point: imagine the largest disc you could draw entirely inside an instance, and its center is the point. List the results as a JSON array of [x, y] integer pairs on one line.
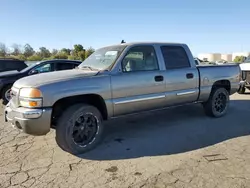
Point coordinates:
[[209, 74]]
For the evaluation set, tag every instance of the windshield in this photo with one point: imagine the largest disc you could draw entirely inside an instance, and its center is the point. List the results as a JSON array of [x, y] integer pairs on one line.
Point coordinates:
[[103, 58], [247, 60]]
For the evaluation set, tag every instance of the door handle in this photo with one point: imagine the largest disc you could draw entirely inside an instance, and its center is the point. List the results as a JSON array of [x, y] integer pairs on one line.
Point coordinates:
[[159, 78], [189, 75]]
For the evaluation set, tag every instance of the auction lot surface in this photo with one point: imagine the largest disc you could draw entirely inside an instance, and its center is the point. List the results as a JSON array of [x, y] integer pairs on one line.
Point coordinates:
[[178, 147]]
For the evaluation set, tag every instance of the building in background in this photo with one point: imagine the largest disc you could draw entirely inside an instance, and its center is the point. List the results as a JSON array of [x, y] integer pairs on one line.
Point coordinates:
[[227, 57], [210, 57]]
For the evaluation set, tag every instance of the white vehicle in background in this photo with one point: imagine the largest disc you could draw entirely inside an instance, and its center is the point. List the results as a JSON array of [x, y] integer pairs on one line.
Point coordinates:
[[245, 76], [220, 62]]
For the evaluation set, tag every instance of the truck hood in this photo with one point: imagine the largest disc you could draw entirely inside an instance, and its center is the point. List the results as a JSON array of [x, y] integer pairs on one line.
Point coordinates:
[[245, 66], [52, 77], [9, 73]]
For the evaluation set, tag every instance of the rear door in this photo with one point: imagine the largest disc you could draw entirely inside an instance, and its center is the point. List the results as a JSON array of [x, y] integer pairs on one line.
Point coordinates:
[[182, 79], [140, 85]]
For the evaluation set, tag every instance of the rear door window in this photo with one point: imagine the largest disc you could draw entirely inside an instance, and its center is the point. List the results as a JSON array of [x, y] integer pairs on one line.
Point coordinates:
[[64, 66], [175, 57], [13, 65]]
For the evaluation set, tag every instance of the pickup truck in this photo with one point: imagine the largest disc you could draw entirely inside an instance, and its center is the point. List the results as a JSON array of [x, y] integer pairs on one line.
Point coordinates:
[[115, 81]]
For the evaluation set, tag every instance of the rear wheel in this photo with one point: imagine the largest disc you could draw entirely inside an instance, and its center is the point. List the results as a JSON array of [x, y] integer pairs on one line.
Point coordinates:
[[79, 129], [218, 102], [6, 94]]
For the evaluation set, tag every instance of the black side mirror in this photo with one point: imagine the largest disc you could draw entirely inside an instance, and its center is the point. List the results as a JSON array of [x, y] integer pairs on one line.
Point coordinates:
[[34, 72]]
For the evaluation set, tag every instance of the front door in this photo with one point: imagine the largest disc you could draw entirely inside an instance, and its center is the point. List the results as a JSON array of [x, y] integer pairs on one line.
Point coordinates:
[[140, 85]]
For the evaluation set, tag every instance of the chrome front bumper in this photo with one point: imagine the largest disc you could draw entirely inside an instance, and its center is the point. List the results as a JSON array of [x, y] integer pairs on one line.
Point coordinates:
[[30, 121]]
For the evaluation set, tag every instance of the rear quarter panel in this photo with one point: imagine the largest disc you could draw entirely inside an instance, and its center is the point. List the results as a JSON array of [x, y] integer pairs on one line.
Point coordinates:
[[209, 74]]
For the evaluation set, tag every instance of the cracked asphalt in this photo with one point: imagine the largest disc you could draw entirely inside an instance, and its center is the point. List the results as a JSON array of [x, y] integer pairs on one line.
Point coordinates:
[[178, 147]]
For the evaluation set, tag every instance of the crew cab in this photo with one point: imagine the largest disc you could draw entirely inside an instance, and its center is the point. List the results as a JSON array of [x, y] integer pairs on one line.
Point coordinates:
[[114, 81]]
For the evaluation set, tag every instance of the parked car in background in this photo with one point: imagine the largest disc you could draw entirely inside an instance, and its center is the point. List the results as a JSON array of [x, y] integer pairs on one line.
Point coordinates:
[[114, 81], [9, 77], [8, 64], [245, 76]]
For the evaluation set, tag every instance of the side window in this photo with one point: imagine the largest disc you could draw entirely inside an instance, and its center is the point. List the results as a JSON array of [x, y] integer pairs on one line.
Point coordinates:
[[140, 58], [44, 68], [13, 65], [175, 57], [64, 66]]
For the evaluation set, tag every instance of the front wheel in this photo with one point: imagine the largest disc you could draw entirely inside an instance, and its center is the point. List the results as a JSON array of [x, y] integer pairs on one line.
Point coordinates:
[[218, 102], [79, 129], [6, 94]]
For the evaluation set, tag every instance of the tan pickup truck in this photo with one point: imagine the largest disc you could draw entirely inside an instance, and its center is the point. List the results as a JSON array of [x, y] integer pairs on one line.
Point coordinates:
[[114, 81]]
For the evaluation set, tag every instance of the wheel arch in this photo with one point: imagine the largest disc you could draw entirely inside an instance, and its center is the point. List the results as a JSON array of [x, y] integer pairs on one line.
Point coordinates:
[[222, 83], [92, 99]]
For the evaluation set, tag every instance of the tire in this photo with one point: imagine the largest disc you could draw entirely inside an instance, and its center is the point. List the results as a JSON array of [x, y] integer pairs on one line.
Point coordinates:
[[218, 103], [68, 124], [4, 94], [241, 90]]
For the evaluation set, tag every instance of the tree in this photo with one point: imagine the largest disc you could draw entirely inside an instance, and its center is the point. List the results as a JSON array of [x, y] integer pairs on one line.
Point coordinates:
[[28, 50], [34, 57], [54, 52], [66, 51], [16, 50], [78, 52], [3, 50], [60, 55], [81, 55], [239, 59], [78, 48], [89, 51], [44, 53]]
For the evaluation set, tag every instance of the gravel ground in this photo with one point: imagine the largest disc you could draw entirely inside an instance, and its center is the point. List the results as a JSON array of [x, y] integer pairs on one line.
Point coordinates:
[[179, 147]]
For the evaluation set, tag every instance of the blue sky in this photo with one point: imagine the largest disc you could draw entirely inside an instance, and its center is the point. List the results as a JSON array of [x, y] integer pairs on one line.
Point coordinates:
[[205, 25]]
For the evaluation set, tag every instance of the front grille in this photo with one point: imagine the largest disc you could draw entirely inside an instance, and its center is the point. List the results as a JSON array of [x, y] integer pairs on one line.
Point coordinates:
[[246, 76]]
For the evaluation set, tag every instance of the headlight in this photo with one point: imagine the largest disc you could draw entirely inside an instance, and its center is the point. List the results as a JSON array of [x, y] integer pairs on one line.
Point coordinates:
[[30, 97]]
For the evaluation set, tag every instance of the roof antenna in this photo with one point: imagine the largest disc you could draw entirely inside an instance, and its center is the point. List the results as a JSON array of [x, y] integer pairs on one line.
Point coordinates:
[[123, 42]]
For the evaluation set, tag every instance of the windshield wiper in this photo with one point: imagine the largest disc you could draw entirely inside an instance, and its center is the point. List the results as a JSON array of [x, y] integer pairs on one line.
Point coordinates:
[[90, 68]]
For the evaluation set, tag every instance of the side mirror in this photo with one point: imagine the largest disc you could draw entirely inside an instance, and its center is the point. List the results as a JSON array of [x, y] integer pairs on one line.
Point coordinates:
[[34, 72]]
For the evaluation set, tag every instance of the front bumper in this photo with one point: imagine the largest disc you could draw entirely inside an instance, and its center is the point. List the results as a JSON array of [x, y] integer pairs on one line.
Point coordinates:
[[30, 121]]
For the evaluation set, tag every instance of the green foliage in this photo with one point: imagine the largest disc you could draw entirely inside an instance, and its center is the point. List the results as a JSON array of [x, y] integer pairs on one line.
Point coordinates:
[[89, 51], [66, 51], [44, 53], [28, 53], [3, 50], [16, 50], [54, 52], [21, 57], [34, 57], [239, 59], [28, 50], [60, 55]]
